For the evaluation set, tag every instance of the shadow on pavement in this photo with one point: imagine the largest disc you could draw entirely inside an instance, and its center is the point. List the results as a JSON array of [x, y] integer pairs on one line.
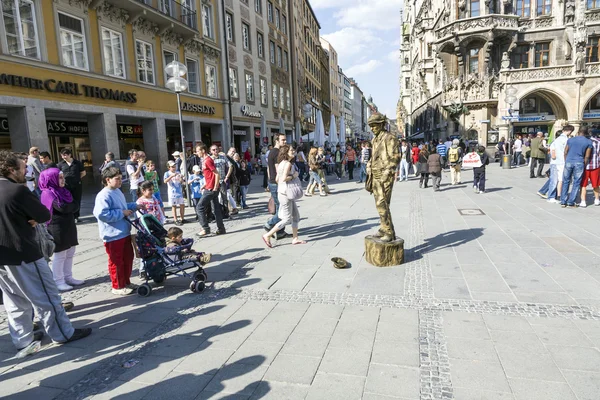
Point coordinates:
[[444, 241], [339, 229]]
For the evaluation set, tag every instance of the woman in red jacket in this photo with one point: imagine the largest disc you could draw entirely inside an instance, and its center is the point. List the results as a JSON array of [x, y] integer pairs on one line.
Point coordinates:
[[415, 158]]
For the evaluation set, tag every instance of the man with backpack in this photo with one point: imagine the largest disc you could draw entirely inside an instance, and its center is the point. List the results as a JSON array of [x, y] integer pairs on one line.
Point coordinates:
[[455, 155]]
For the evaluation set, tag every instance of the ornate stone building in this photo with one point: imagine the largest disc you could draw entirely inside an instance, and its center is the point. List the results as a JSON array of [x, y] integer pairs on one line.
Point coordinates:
[[459, 58]]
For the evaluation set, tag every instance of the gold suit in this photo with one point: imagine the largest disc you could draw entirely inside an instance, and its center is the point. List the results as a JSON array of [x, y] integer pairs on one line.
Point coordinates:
[[382, 168]]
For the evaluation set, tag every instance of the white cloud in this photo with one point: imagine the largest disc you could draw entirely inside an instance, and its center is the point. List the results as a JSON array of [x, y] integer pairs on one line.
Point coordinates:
[[350, 42], [360, 69], [373, 14], [394, 56]]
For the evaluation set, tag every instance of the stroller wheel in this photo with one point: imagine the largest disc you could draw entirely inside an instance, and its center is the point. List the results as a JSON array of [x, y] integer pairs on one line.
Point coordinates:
[[160, 278], [199, 287], [200, 275], [144, 290]]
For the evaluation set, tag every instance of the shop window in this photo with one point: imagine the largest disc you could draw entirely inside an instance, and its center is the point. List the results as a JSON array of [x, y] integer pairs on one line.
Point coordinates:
[[272, 51], [264, 96], [544, 7], [275, 93], [145, 62], [72, 41], [270, 11], [229, 27], [524, 8], [258, 6], [20, 27], [246, 36], [249, 87], [542, 54], [473, 61], [207, 22], [112, 44], [279, 56], [233, 83], [259, 45], [211, 80], [474, 8], [192, 76], [592, 4], [592, 50], [520, 56]]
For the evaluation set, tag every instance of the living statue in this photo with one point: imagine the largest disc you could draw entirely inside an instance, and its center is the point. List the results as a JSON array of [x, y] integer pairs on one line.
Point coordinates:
[[381, 172]]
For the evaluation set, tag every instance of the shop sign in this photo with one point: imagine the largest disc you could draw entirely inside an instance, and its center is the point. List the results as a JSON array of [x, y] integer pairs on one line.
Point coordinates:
[[70, 127], [237, 132], [247, 112], [130, 130], [198, 108], [257, 133], [589, 115], [536, 118], [70, 88], [4, 125]]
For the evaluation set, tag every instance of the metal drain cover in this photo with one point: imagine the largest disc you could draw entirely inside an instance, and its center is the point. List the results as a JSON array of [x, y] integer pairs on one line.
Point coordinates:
[[471, 211]]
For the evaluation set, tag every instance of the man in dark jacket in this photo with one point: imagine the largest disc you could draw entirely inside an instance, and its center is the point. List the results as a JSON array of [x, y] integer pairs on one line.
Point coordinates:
[[479, 172], [538, 156], [25, 278]]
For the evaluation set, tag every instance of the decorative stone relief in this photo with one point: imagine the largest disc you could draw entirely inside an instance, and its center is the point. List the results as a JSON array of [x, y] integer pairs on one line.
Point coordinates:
[[522, 75], [193, 46], [114, 14], [248, 61], [145, 27], [545, 22], [228, 3], [485, 22], [172, 38], [210, 53], [592, 15], [262, 67], [525, 24], [569, 11], [232, 54], [593, 69], [83, 3]]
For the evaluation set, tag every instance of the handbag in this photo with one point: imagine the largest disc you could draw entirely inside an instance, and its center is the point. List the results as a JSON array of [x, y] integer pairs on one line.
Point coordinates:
[[45, 240], [271, 206], [293, 190]]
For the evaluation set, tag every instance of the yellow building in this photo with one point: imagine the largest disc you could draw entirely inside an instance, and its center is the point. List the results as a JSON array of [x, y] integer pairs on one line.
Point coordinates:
[[89, 74]]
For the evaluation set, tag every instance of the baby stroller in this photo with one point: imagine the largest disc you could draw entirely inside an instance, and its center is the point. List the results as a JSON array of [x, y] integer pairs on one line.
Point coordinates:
[[160, 262]]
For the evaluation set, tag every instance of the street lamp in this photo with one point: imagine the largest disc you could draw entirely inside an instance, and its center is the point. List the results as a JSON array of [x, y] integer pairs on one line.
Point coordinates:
[[510, 99], [178, 84]]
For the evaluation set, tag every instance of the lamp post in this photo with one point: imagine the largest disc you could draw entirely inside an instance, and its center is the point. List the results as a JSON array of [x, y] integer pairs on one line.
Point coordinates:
[[178, 84], [510, 91]]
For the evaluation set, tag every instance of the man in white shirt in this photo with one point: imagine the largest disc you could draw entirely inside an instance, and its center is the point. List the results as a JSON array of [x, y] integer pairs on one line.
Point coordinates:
[[518, 150], [135, 173], [557, 163]]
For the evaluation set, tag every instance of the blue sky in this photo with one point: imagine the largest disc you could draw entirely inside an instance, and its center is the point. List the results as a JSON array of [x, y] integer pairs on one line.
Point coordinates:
[[366, 36]]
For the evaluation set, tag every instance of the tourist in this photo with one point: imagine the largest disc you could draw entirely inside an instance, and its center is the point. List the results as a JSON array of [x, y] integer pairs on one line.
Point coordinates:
[[175, 182], [196, 183], [149, 202], [321, 161], [26, 281], [441, 150], [517, 151], [414, 158], [338, 157], [365, 156], [224, 169], [46, 160], [265, 169], [74, 172], [501, 147], [350, 160], [455, 155], [288, 209], [244, 178], [479, 172], [538, 156], [434, 166], [423, 167], [402, 174], [109, 161], [111, 209], [313, 171], [33, 160], [280, 140], [59, 201], [134, 170], [592, 173], [557, 165], [151, 175], [577, 155], [301, 162], [210, 194], [232, 178]]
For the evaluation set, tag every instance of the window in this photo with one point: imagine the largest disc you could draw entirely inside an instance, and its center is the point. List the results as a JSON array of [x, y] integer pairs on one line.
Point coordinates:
[[211, 80], [520, 56], [192, 76], [270, 11], [246, 36], [264, 97], [20, 26], [72, 42], [277, 18], [258, 6], [145, 62], [207, 25], [188, 15], [407, 83], [165, 6], [272, 51], [233, 83], [286, 63], [229, 27], [275, 91], [474, 8], [591, 4], [542, 54], [259, 44], [249, 87], [592, 50], [524, 8], [170, 57], [281, 94], [544, 7], [429, 50], [284, 24], [473, 61], [112, 44], [288, 101], [279, 56]]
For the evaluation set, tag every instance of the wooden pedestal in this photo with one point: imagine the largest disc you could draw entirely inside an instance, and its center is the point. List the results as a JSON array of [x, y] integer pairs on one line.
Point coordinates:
[[384, 254]]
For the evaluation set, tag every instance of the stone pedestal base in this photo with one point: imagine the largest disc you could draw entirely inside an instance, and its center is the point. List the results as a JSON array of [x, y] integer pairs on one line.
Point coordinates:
[[384, 254]]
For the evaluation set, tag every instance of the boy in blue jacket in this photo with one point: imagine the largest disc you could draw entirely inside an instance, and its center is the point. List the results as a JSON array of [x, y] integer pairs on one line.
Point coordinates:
[[111, 209]]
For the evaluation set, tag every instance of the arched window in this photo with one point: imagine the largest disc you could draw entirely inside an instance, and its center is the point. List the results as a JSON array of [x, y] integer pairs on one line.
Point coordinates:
[[473, 61]]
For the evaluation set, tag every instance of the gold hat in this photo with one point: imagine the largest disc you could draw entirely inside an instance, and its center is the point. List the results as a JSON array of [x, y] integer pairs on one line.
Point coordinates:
[[377, 118]]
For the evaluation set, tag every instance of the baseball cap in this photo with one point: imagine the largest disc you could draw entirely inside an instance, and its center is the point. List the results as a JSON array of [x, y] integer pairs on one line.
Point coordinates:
[[176, 154], [196, 168]]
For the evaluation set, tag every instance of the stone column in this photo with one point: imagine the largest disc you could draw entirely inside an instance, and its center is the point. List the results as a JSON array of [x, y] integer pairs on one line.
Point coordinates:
[[503, 131], [576, 124], [197, 137], [155, 143], [28, 128], [104, 137]]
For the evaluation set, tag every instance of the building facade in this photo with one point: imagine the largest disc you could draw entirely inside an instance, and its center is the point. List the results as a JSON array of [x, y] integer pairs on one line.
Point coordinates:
[[334, 79], [485, 70], [257, 33], [89, 75], [358, 115], [325, 81]]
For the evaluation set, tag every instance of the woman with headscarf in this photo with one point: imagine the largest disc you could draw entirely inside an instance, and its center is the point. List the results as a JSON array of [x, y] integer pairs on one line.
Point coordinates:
[[59, 202]]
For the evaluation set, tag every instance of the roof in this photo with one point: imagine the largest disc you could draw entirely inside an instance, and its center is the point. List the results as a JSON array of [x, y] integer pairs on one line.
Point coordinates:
[[313, 13]]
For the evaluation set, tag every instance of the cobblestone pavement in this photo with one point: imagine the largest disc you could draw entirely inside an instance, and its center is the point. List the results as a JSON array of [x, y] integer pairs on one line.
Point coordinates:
[[499, 298]]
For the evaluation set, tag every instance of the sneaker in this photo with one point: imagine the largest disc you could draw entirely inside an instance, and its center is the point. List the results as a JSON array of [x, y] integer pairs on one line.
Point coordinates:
[[30, 349], [220, 232], [307, 194], [63, 287], [74, 282], [203, 233], [475, 189], [481, 192], [571, 205], [234, 212], [583, 204], [542, 195], [323, 194], [76, 220], [79, 333], [132, 286], [205, 258], [552, 201], [123, 291], [67, 305], [563, 205], [597, 202]]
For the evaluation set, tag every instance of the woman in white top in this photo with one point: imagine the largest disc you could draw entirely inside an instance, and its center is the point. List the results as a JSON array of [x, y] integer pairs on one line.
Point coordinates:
[[288, 210]]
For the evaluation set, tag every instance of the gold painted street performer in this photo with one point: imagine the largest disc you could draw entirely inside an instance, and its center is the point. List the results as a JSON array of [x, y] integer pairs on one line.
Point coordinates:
[[381, 172]]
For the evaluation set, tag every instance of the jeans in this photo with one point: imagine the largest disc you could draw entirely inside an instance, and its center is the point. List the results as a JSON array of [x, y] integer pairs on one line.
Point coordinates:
[[479, 179], [244, 190], [224, 199], [540, 166], [301, 169], [133, 194], [553, 182], [274, 219], [314, 177], [363, 172], [546, 188], [574, 172], [403, 170], [338, 169], [501, 155], [210, 197], [517, 160], [351, 170]]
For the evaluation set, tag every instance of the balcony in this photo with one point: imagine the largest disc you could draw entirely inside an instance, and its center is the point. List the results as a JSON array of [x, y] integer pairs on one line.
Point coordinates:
[[540, 73], [167, 15], [469, 26]]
